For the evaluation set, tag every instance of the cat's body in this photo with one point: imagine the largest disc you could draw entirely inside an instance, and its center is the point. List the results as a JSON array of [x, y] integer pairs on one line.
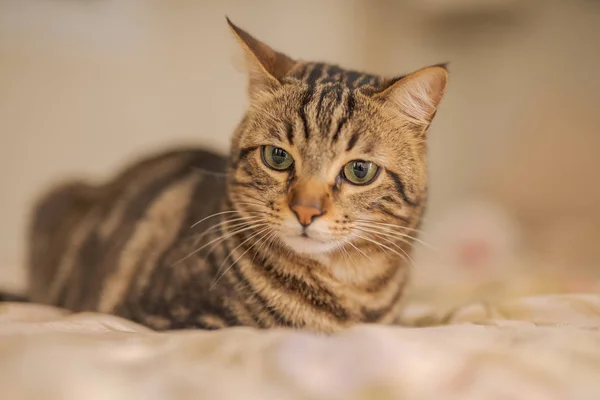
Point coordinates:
[[287, 231], [154, 276]]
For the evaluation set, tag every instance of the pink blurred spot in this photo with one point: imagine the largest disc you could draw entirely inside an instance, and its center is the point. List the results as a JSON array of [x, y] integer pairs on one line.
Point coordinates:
[[474, 254]]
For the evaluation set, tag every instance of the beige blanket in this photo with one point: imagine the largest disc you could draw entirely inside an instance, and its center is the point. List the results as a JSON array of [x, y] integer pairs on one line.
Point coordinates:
[[544, 347]]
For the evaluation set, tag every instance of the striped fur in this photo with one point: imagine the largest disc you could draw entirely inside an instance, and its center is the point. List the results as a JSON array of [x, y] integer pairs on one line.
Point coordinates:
[[191, 239]]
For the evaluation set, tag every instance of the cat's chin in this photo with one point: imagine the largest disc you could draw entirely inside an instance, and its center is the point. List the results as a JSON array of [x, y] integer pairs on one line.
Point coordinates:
[[308, 246]]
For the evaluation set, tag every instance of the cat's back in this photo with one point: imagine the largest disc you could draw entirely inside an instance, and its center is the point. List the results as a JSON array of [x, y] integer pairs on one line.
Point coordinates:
[[83, 238]]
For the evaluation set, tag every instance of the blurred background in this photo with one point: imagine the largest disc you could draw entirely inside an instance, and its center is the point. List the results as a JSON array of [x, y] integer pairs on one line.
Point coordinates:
[[88, 85]]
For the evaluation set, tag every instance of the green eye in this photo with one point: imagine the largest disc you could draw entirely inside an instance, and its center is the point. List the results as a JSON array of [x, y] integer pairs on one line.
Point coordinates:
[[360, 172], [276, 158]]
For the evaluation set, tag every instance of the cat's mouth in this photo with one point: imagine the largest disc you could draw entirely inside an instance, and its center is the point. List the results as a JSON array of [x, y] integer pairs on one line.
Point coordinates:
[[306, 242], [305, 236]]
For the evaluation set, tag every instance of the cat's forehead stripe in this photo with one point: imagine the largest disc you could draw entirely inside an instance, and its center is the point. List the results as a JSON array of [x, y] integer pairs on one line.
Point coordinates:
[[352, 141], [306, 99], [333, 93], [328, 111], [323, 73], [349, 111], [289, 132]]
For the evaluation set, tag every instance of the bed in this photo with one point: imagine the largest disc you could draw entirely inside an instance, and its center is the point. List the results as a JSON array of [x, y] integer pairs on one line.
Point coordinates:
[[533, 347]]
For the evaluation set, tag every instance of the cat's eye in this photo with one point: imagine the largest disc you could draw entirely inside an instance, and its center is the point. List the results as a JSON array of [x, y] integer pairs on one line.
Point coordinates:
[[360, 172], [276, 158]]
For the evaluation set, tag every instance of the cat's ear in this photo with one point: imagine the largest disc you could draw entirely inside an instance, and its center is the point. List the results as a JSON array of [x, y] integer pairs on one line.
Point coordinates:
[[416, 96], [266, 67]]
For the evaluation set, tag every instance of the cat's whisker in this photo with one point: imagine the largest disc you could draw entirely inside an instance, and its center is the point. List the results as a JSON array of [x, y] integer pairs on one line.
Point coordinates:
[[395, 234], [262, 203], [217, 214], [240, 245], [238, 225], [267, 237], [260, 200], [351, 258], [394, 227], [219, 239], [384, 237], [404, 256], [406, 228], [241, 255], [228, 221], [347, 241], [342, 249], [271, 241], [245, 220], [338, 250], [379, 233], [260, 207], [237, 228]]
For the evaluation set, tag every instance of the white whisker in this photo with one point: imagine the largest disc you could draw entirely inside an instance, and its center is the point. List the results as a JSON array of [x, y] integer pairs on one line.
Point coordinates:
[[384, 227], [404, 256], [217, 214], [240, 222], [380, 236], [271, 241], [370, 221], [266, 238], [340, 247], [240, 245], [221, 238], [260, 200], [237, 259], [347, 241], [383, 234]]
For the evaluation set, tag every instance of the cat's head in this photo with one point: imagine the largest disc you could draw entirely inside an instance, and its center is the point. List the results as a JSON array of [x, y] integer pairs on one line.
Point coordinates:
[[327, 156]]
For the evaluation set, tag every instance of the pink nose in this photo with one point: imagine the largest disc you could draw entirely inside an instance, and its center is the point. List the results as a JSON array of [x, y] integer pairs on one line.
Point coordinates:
[[306, 214], [309, 199]]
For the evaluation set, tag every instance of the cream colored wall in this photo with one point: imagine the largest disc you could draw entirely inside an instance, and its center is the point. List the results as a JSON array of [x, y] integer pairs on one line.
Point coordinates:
[[86, 85]]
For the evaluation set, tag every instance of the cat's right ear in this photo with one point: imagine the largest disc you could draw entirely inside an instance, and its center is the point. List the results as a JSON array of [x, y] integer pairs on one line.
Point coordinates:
[[417, 96], [266, 67]]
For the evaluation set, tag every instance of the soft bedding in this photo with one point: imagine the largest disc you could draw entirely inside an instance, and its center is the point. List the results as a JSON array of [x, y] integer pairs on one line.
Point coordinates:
[[541, 347]]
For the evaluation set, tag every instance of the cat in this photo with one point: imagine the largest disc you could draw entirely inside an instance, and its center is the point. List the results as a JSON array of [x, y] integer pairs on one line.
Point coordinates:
[[307, 224]]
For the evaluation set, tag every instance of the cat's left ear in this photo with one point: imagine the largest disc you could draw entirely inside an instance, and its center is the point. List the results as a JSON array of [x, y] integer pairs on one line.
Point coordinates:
[[416, 96], [266, 67]]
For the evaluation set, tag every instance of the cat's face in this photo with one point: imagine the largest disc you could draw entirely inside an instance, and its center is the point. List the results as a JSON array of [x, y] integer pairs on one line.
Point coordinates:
[[327, 158]]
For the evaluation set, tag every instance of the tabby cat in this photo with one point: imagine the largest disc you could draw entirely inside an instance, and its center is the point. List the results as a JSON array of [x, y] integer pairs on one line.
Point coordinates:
[[307, 224]]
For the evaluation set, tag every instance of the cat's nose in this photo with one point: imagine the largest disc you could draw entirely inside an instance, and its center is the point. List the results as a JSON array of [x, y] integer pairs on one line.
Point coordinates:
[[308, 199], [306, 214]]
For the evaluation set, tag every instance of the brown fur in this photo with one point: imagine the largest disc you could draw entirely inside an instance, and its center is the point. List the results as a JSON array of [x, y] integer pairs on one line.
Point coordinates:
[[127, 247]]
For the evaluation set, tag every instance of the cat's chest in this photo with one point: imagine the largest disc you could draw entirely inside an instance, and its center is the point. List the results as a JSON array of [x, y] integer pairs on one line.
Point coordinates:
[[359, 270], [370, 288]]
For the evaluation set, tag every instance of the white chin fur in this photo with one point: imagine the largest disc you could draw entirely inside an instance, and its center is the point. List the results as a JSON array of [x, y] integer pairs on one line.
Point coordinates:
[[303, 245]]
